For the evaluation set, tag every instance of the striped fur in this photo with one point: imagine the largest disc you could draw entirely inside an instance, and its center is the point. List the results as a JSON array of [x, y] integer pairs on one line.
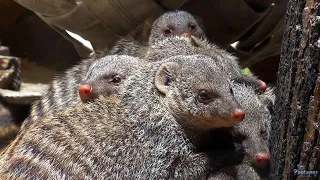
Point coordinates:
[[62, 92]]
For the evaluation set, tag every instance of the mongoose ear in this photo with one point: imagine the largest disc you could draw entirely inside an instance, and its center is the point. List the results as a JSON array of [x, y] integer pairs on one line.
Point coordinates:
[[268, 97], [166, 74]]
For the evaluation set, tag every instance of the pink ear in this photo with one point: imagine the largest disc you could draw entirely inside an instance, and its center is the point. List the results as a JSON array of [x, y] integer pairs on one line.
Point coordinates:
[[263, 86]]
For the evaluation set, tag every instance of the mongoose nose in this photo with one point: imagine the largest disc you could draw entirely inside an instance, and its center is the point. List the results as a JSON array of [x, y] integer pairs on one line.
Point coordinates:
[[238, 115], [188, 35], [85, 92], [263, 86], [261, 159]]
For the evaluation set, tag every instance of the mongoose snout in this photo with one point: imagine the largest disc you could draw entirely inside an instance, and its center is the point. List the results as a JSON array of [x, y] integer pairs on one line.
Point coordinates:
[[261, 159], [238, 115], [85, 92]]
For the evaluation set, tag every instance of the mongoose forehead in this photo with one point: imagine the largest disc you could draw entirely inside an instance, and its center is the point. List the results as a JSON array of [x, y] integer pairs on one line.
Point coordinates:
[[107, 75], [175, 23]]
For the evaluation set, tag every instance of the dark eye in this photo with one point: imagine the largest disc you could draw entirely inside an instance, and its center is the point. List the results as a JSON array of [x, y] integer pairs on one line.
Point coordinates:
[[192, 27], [204, 97], [264, 134], [231, 91], [116, 79], [238, 138], [167, 32]]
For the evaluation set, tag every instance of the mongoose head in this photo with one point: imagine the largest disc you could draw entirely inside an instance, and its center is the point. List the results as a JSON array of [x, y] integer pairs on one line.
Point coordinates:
[[175, 23], [197, 90], [176, 45], [106, 76], [253, 131]]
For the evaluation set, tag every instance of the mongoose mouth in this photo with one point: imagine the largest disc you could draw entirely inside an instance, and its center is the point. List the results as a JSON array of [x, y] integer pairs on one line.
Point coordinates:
[[216, 123], [187, 35]]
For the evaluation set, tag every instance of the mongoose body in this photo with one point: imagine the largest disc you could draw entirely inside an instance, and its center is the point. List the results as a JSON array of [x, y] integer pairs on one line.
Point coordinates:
[[149, 131]]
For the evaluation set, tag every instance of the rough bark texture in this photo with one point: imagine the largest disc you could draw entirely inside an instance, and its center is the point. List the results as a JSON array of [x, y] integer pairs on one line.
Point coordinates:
[[295, 129]]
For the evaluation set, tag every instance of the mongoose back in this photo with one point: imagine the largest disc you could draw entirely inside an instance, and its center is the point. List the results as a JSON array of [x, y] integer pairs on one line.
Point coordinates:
[[107, 75], [149, 132], [63, 90], [177, 45]]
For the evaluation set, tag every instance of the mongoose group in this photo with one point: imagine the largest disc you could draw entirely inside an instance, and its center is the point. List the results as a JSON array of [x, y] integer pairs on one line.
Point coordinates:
[[175, 107]]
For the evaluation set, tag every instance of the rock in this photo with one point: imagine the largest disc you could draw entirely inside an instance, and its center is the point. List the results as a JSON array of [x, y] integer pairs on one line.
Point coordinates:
[[10, 72], [4, 51], [28, 93], [8, 129]]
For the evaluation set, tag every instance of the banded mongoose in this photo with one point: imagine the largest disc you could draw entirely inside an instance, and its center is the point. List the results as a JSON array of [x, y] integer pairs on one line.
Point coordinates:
[[63, 90], [150, 131], [172, 23], [178, 45], [252, 133], [106, 76]]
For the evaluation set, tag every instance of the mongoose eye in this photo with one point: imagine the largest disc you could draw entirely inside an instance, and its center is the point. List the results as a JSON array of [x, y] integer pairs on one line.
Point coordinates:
[[204, 97], [167, 32], [116, 79], [192, 27], [238, 138], [231, 91], [264, 134]]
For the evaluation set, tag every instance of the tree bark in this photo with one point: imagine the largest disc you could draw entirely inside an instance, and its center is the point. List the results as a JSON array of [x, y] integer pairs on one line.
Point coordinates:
[[295, 136]]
